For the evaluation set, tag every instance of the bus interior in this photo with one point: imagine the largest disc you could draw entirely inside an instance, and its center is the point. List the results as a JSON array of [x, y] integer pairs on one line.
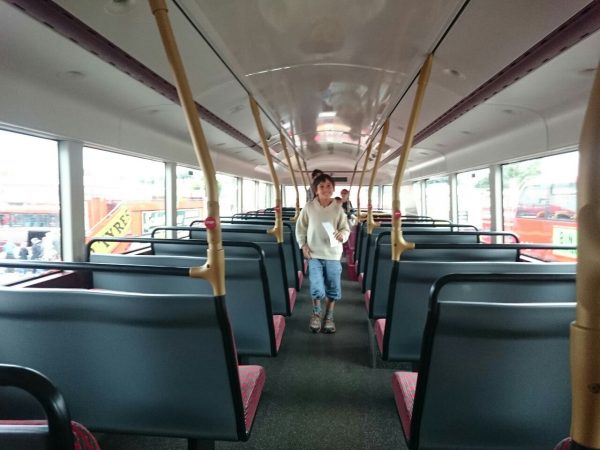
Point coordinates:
[[119, 118]]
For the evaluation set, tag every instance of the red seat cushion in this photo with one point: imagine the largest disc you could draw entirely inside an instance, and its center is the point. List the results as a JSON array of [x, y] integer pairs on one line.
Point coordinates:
[[252, 381], [292, 292], [367, 299], [404, 385], [83, 439], [300, 279], [279, 326], [351, 272], [379, 332]]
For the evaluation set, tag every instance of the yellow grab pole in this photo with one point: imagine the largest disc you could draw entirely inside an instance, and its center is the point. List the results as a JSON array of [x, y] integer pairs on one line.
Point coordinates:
[[308, 177], [398, 242], [585, 331], [371, 224], [359, 216], [300, 167], [277, 230], [353, 175], [289, 162], [214, 269]]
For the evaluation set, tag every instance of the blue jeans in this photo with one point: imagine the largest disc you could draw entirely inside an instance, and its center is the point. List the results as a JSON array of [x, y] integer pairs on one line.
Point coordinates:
[[325, 279]]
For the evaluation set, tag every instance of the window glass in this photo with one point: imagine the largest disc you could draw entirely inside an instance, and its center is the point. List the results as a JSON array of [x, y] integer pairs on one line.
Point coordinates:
[[416, 189], [124, 196], [386, 200], [190, 195], [409, 199], [437, 198], [289, 199], [228, 194], [539, 203], [473, 198], [249, 195], [364, 194], [263, 196], [29, 202]]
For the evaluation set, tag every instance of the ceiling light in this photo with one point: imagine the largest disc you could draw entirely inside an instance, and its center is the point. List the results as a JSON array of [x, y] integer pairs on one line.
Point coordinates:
[[236, 108], [119, 7], [454, 73], [72, 75], [326, 114]]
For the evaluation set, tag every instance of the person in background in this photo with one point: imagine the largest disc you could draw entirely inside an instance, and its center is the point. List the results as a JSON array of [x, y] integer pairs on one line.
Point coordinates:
[[321, 229], [347, 206], [23, 255]]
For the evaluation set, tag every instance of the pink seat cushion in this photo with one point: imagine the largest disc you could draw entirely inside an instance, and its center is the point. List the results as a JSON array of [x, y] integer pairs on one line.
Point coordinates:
[[360, 277], [300, 279], [279, 326], [252, 381], [404, 385], [292, 292], [367, 299], [379, 332], [351, 272], [83, 439]]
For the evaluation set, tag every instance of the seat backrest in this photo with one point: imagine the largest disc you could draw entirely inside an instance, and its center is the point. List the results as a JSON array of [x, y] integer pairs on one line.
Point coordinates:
[[130, 363], [412, 282], [382, 265], [273, 254], [494, 376], [247, 292], [289, 245], [418, 236]]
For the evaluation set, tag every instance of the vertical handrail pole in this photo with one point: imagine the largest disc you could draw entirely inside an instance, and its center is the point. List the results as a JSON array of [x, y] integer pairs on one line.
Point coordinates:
[[214, 269], [299, 164], [398, 242], [300, 167], [353, 175], [289, 162], [359, 216], [371, 224], [585, 331], [308, 176], [277, 230]]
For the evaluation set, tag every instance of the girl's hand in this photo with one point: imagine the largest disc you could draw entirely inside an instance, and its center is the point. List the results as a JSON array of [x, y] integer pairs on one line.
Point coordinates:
[[306, 251], [339, 236]]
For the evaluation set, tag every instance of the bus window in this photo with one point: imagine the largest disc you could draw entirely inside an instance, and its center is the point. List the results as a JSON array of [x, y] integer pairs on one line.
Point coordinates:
[[546, 204]]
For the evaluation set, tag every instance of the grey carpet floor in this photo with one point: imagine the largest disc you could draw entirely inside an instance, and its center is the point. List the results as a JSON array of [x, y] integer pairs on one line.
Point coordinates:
[[320, 392]]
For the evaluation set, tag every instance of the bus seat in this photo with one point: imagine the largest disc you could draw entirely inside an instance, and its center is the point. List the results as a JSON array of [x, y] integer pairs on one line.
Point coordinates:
[[493, 375], [412, 282], [274, 254], [149, 364], [255, 328]]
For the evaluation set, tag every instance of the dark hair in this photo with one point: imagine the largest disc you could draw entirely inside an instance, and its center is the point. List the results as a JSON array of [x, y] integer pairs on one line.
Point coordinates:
[[315, 173], [319, 179]]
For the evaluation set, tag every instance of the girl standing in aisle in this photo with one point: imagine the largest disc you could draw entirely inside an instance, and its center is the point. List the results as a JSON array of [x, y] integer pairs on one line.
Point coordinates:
[[321, 229]]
